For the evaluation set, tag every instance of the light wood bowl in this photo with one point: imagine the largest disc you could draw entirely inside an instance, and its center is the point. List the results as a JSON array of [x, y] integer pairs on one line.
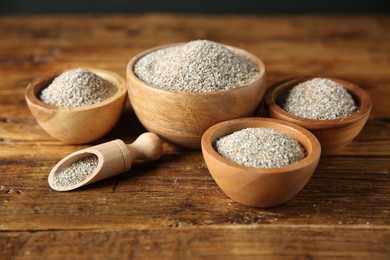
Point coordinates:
[[260, 187], [182, 117], [77, 125], [333, 135]]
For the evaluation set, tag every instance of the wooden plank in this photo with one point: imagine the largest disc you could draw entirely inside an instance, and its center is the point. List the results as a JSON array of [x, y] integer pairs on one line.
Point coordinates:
[[249, 242], [184, 191]]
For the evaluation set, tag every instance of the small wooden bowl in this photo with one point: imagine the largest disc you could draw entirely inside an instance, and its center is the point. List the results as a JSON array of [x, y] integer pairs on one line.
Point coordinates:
[[182, 117], [260, 187], [77, 125], [333, 135]]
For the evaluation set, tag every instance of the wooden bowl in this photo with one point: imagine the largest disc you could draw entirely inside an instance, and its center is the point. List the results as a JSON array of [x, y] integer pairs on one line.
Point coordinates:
[[260, 187], [77, 125], [333, 135], [182, 117]]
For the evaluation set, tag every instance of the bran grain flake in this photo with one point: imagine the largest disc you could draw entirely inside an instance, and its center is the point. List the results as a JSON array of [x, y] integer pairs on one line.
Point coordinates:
[[260, 147], [319, 99], [76, 172], [197, 66], [76, 88]]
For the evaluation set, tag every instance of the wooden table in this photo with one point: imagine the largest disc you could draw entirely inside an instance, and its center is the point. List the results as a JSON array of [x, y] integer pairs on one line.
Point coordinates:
[[172, 208]]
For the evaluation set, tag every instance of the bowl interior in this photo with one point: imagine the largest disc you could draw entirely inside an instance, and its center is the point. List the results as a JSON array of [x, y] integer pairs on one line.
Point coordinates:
[[361, 98], [307, 139], [135, 59], [35, 88]]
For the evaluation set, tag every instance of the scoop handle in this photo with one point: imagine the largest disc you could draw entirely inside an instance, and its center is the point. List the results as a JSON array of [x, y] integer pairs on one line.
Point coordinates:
[[147, 147]]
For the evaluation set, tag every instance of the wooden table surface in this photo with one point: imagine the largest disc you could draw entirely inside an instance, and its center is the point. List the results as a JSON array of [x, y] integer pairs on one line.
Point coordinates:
[[172, 208]]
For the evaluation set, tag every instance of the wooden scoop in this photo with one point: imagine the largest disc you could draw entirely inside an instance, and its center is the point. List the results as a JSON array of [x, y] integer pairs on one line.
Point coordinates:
[[114, 157]]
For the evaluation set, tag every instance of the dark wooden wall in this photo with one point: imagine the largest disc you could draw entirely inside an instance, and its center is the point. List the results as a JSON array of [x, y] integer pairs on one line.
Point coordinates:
[[11, 7]]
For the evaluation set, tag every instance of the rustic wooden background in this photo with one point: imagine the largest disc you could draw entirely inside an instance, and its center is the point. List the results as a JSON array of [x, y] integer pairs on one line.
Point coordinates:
[[172, 208]]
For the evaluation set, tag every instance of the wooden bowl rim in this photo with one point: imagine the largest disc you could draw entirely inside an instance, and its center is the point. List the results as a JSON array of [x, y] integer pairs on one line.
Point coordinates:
[[313, 153], [44, 80], [130, 72], [361, 97]]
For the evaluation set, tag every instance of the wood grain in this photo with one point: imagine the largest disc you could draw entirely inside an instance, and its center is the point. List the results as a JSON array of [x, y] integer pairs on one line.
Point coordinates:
[[172, 208]]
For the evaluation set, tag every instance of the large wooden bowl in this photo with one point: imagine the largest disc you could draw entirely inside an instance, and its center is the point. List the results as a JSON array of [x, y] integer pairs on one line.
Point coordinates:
[[333, 135], [260, 187], [77, 125], [182, 117]]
